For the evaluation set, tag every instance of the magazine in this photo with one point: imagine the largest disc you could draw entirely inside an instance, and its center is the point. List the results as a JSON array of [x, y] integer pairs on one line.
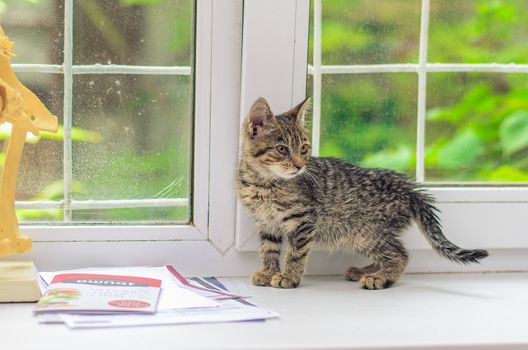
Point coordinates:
[[100, 293]]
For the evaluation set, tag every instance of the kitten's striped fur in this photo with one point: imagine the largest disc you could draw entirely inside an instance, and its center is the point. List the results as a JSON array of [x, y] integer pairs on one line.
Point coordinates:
[[300, 200]]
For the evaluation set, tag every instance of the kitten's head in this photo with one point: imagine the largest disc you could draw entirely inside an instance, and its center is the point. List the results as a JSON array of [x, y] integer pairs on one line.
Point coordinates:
[[276, 145]]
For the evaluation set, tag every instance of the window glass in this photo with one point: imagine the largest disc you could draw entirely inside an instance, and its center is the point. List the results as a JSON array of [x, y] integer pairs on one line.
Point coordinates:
[[370, 32], [369, 119], [478, 31], [131, 141], [36, 27], [133, 32], [41, 171], [138, 146], [476, 124], [477, 127]]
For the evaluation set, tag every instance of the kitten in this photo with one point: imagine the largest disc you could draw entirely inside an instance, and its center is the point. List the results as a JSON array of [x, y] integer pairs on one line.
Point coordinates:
[[305, 200]]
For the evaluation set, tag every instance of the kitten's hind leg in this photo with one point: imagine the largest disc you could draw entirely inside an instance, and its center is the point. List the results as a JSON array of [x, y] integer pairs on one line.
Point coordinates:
[[270, 248], [355, 273], [390, 258]]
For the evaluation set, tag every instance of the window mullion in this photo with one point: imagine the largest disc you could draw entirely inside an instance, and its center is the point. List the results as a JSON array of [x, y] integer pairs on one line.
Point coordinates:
[[37, 68], [129, 69], [422, 85], [106, 204], [317, 78], [68, 107]]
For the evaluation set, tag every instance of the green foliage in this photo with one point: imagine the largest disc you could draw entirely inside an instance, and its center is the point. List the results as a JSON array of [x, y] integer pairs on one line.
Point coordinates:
[[133, 175], [138, 2], [514, 132], [511, 173], [4, 4], [52, 192], [55, 190], [182, 32], [476, 123], [507, 172], [459, 151], [484, 131], [77, 135], [400, 159]]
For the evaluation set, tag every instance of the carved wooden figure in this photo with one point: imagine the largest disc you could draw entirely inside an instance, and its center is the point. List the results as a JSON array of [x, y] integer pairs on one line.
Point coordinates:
[[24, 111]]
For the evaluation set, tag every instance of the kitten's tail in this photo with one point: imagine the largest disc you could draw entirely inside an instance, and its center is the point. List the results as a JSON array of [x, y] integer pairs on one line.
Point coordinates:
[[426, 214]]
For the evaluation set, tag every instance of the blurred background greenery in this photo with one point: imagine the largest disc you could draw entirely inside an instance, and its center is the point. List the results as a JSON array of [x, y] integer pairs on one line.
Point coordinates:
[[132, 133], [476, 123]]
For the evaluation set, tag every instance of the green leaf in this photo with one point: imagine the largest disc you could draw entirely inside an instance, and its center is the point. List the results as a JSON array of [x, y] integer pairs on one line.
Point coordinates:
[[39, 214], [337, 36], [77, 135], [55, 190], [137, 2], [463, 149], [513, 132], [508, 173], [399, 159], [437, 114], [331, 149]]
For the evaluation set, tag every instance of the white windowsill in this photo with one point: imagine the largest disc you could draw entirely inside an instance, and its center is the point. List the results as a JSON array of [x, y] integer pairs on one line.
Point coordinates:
[[435, 311]]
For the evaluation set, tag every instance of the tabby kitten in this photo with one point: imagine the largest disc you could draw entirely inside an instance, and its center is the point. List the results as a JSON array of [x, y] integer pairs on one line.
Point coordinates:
[[307, 200]]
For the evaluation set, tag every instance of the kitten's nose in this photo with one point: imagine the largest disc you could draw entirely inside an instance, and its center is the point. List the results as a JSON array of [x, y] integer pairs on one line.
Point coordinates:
[[297, 162]]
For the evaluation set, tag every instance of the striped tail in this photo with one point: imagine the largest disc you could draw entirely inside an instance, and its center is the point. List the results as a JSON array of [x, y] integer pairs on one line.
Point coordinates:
[[426, 214]]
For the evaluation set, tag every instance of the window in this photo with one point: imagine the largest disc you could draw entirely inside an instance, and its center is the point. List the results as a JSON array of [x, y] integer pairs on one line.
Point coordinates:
[[134, 91], [122, 84], [144, 171], [380, 99]]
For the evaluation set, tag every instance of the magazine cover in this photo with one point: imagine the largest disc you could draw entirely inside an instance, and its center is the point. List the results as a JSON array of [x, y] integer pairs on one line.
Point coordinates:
[[94, 293]]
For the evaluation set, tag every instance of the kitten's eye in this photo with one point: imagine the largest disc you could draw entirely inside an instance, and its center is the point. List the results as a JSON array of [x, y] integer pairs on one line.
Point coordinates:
[[305, 148], [282, 149]]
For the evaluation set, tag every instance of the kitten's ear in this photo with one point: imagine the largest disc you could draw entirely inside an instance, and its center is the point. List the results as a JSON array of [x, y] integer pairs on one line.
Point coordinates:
[[260, 117], [299, 112]]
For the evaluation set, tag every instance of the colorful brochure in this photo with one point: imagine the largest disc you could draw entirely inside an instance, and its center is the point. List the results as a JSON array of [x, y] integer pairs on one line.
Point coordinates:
[[100, 293]]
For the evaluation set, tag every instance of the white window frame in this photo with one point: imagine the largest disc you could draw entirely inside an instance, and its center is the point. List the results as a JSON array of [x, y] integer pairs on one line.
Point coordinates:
[[274, 66], [221, 239]]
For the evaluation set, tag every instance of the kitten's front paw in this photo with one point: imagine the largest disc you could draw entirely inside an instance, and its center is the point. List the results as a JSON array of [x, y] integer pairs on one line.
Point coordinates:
[[373, 281], [280, 280], [262, 278]]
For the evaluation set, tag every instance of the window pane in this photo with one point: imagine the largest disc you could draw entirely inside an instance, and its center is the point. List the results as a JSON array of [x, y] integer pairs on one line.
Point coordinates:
[[132, 134], [138, 146], [36, 27], [477, 127], [370, 119], [133, 32], [478, 31], [311, 34], [40, 174], [370, 32]]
